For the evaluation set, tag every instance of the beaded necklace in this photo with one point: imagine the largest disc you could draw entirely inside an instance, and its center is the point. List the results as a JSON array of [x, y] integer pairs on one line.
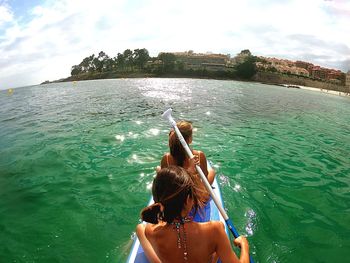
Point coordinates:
[[180, 222]]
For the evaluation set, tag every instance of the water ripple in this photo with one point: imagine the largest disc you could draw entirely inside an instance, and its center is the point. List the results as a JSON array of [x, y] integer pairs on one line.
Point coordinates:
[[77, 162]]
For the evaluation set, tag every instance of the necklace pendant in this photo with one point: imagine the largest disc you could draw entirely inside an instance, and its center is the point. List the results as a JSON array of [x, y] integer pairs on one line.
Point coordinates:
[[185, 255]]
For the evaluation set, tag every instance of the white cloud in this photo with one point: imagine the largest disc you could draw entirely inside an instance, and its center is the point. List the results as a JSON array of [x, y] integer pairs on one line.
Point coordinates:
[[59, 34], [5, 15]]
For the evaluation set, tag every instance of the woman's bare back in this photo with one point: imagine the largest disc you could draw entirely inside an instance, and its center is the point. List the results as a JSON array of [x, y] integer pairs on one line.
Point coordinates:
[[200, 241], [188, 165]]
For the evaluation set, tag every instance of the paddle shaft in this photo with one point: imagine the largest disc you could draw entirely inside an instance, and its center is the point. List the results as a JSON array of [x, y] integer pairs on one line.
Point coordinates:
[[167, 115]]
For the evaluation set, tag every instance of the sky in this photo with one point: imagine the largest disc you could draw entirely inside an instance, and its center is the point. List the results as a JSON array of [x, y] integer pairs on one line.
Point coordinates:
[[42, 40]]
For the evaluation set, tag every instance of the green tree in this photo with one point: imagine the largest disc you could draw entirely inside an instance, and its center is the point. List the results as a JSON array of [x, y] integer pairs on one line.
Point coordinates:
[[180, 65], [76, 70], [140, 57], [128, 58], [168, 61], [272, 69], [109, 64], [101, 62], [120, 61], [246, 69], [87, 64], [245, 52]]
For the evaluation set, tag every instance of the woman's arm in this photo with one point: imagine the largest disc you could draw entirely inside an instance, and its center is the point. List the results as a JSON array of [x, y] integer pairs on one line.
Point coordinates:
[[203, 163], [242, 242], [210, 174], [146, 245], [223, 246]]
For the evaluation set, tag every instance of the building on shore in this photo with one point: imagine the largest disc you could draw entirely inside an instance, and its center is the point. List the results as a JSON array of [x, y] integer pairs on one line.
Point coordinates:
[[318, 73], [284, 66], [301, 68], [197, 61], [329, 75], [303, 64], [347, 81]]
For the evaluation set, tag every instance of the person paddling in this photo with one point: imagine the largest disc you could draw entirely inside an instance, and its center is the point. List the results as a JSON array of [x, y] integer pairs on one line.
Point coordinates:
[[171, 235], [177, 155]]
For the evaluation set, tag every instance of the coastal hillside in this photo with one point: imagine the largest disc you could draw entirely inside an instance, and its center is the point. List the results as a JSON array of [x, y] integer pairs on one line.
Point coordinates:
[[243, 66]]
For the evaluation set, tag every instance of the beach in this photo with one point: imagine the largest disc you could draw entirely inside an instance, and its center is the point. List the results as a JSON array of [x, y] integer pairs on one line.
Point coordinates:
[[332, 92]]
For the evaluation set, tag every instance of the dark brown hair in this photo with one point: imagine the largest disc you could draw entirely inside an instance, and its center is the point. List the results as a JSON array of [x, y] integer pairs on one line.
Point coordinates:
[[170, 190], [177, 151]]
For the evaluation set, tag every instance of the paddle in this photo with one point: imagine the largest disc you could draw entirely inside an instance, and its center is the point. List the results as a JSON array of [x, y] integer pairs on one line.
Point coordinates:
[[167, 115]]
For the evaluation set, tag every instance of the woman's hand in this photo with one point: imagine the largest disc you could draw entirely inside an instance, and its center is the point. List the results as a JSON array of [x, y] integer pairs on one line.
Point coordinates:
[[195, 160], [241, 242]]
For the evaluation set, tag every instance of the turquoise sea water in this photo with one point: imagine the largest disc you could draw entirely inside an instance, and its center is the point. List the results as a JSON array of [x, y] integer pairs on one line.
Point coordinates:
[[77, 160]]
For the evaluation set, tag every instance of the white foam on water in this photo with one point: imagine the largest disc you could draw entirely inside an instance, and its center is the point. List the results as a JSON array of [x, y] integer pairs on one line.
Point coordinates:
[[154, 131], [142, 174], [195, 129], [237, 188], [208, 113], [224, 181], [133, 135], [133, 236], [134, 158], [149, 185], [251, 215], [138, 122], [120, 138]]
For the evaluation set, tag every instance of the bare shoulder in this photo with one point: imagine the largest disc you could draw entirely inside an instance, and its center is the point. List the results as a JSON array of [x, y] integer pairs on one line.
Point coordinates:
[[140, 229], [213, 226], [164, 161], [217, 224], [151, 229], [165, 155], [215, 231]]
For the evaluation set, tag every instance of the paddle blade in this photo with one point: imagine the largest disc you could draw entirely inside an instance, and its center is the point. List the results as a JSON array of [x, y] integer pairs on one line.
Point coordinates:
[[167, 114]]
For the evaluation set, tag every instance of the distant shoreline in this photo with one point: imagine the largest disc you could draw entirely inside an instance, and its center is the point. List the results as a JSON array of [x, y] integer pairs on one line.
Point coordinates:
[[133, 75], [169, 75], [327, 91], [332, 92], [243, 67]]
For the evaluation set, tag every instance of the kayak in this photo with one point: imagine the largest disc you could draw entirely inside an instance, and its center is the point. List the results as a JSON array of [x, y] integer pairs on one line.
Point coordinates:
[[137, 254]]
